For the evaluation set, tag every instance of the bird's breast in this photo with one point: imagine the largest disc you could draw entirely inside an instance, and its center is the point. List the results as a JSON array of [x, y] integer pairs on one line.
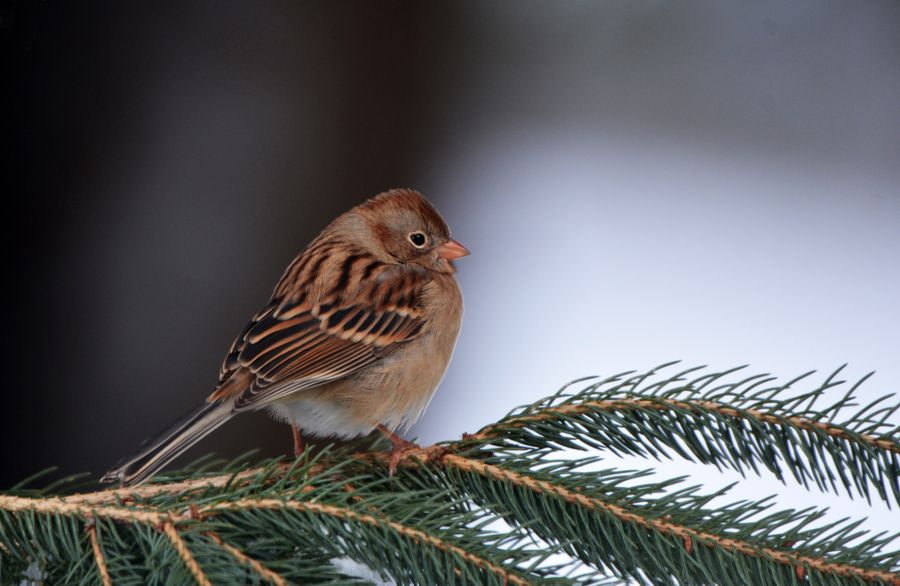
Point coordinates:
[[395, 390]]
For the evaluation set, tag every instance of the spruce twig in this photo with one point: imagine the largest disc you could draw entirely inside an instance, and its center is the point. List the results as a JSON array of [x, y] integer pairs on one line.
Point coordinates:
[[436, 520]]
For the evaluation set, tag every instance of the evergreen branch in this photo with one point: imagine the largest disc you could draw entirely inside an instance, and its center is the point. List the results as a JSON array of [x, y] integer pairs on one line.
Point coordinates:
[[350, 515], [173, 523], [53, 506], [260, 569], [284, 522], [694, 407], [692, 420], [98, 556], [185, 554], [147, 491], [688, 536]]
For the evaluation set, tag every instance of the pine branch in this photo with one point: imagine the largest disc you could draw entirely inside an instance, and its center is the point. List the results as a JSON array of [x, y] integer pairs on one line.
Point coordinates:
[[98, 556], [314, 506], [667, 533], [436, 521], [691, 419]]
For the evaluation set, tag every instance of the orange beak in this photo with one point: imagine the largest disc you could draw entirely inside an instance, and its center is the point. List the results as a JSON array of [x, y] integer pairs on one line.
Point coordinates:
[[452, 250]]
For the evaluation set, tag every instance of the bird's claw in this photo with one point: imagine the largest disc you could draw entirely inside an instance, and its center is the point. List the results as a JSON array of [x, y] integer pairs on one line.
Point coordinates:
[[399, 451]]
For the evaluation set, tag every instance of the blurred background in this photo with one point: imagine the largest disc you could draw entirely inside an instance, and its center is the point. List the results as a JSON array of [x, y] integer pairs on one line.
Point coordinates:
[[638, 180]]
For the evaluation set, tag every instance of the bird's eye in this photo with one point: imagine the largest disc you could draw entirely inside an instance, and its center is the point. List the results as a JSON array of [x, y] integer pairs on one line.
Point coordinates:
[[418, 239]]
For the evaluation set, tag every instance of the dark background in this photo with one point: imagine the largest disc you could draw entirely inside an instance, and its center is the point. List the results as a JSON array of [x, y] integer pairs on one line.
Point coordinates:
[[715, 181], [169, 162]]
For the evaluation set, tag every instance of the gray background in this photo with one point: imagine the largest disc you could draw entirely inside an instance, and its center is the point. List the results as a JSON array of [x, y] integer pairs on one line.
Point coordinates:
[[639, 181]]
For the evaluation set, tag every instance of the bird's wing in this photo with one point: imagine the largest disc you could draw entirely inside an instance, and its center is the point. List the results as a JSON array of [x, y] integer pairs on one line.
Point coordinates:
[[291, 347]]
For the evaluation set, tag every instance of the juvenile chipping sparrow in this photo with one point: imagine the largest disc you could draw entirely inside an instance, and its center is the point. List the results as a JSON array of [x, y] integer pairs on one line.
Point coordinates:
[[357, 335]]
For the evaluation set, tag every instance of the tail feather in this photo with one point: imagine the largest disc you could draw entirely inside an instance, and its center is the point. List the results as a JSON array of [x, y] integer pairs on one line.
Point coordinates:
[[170, 444]]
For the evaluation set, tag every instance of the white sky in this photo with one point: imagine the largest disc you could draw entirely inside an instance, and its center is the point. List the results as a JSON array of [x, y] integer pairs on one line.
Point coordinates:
[[596, 258], [643, 182]]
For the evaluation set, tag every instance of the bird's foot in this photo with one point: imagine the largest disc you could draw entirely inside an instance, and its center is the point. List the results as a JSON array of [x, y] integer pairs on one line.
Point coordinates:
[[400, 448], [398, 452]]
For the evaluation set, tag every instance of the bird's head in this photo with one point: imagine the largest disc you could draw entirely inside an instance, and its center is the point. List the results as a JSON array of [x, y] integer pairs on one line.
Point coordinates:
[[402, 227]]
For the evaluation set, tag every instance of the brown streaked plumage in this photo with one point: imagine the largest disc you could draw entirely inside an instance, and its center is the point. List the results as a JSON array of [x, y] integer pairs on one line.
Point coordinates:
[[357, 334]]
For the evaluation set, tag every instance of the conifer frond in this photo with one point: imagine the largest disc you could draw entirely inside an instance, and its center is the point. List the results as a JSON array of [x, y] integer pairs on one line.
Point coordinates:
[[508, 505], [744, 424], [284, 516], [600, 516]]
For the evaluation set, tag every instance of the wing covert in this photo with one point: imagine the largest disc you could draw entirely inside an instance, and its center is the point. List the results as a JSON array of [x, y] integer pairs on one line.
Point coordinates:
[[288, 347]]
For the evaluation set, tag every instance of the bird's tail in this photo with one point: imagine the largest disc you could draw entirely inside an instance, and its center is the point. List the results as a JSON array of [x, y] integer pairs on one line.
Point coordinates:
[[164, 448]]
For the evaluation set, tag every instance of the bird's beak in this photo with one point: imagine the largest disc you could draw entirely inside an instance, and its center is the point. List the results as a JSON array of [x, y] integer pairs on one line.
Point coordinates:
[[451, 250]]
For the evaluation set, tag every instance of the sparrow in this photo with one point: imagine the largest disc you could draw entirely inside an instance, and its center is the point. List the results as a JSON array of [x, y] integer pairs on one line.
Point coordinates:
[[356, 337]]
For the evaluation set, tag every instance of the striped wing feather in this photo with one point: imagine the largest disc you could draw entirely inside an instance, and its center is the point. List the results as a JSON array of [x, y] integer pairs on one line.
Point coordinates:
[[287, 348]]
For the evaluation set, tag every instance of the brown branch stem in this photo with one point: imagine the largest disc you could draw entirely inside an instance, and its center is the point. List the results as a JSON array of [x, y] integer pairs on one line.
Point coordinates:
[[98, 556], [185, 554], [260, 569], [349, 514], [699, 407]]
